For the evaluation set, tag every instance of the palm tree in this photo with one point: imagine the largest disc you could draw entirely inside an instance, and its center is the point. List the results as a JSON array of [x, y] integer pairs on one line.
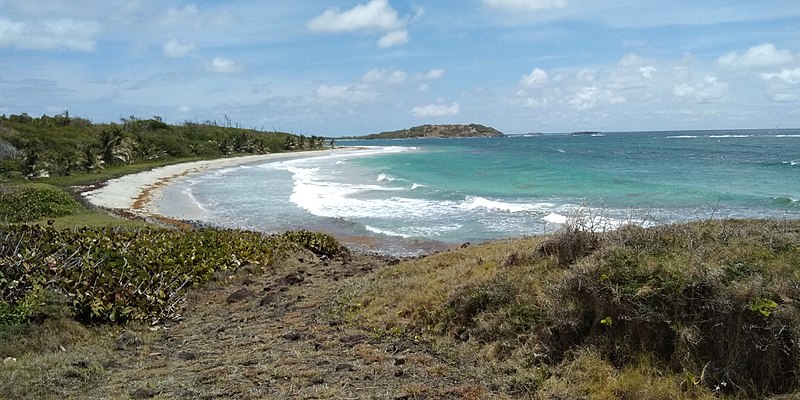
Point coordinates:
[[113, 147], [89, 158]]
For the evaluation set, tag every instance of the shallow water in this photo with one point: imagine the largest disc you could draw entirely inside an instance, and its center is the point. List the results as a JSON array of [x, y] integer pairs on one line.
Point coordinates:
[[403, 196]]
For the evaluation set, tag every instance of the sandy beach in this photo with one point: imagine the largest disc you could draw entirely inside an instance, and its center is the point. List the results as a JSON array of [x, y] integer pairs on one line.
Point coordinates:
[[136, 193]]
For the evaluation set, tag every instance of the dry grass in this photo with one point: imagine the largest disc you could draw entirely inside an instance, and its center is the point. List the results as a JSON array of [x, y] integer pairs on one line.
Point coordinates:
[[714, 305]]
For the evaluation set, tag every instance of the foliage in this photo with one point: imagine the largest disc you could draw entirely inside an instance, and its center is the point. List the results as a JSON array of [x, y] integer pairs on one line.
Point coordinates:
[[34, 202], [715, 302], [61, 145], [319, 243], [117, 275]]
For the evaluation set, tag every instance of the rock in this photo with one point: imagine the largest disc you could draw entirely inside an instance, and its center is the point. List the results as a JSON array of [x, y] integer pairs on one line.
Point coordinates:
[[393, 262], [127, 340], [353, 339], [112, 364], [399, 373], [292, 336], [267, 299], [239, 295], [143, 393], [248, 282], [294, 278], [345, 367], [187, 356]]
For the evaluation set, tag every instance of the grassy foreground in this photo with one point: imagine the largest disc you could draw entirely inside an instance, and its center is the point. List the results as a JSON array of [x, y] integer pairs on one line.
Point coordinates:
[[701, 310]]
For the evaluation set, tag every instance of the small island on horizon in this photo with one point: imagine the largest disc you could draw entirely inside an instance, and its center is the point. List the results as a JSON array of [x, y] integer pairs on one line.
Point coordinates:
[[436, 131]]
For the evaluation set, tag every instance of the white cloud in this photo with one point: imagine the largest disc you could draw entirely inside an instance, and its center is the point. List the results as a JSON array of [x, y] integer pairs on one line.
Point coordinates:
[[709, 89], [224, 65], [190, 16], [537, 77], [434, 74], [525, 5], [394, 77], [532, 102], [763, 55], [394, 38], [436, 110], [786, 75], [65, 34], [184, 109], [423, 87], [350, 93], [586, 74], [648, 71], [631, 60], [377, 15], [173, 48], [627, 78], [591, 97]]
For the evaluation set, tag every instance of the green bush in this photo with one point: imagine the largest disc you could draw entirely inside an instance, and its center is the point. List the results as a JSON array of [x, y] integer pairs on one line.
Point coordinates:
[[31, 203], [117, 275]]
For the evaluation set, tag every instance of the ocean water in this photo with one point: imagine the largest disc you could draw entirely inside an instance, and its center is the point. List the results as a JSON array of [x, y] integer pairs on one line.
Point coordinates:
[[406, 196]]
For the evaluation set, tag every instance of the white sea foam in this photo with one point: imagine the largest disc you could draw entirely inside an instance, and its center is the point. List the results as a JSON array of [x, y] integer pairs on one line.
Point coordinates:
[[555, 218], [729, 136], [787, 136], [388, 178], [476, 202], [188, 192], [386, 232], [417, 186], [682, 137]]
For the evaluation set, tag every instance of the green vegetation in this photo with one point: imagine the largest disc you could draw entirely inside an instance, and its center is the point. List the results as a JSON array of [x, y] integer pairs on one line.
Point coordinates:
[[112, 275], [690, 311], [27, 203], [63, 146], [437, 131]]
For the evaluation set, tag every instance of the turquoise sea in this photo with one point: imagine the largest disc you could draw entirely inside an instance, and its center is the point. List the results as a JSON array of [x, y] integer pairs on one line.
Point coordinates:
[[406, 196]]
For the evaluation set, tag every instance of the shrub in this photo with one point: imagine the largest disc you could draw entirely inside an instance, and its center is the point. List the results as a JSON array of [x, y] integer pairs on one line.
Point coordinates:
[[31, 203], [115, 275], [712, 306]]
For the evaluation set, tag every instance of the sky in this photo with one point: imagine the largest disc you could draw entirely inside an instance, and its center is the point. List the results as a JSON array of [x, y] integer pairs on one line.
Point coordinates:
[[353, 67]]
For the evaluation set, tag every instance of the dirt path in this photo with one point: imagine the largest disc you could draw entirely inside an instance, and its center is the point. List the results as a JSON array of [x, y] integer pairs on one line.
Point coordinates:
[[278, 337]]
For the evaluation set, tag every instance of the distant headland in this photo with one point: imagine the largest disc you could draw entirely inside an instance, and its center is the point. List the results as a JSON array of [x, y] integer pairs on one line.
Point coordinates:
[[437, 131]]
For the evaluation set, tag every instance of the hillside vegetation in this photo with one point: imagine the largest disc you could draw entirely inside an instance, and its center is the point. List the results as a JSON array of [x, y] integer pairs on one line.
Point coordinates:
[[438, 131], [61, 145], [684, 311]]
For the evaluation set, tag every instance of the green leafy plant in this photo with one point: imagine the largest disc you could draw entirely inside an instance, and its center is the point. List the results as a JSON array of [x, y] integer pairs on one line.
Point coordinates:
[[763, 306]]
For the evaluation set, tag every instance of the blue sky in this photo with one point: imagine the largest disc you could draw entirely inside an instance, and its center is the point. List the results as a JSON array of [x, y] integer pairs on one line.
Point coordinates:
[[364, 66]]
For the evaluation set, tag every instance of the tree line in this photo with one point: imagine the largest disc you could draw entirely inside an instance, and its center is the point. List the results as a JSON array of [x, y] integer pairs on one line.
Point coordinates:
[[61, 145]]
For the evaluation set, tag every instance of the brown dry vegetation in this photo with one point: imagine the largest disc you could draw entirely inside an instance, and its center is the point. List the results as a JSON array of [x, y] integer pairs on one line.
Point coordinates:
[[689, 311], [696, 311]]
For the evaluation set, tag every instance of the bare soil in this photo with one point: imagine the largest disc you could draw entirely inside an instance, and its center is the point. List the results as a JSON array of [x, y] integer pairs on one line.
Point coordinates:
[[280, 336]]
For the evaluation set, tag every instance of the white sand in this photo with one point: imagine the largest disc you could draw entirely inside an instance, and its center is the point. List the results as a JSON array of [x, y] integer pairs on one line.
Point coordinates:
[[135, 192]]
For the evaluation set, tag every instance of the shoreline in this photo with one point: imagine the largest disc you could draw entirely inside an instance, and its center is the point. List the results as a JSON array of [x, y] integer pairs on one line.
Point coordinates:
[[133, 195], [141, 196]]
